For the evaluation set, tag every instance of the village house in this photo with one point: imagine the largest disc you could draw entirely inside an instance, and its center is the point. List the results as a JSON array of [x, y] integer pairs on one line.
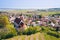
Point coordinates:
[[32, 21]]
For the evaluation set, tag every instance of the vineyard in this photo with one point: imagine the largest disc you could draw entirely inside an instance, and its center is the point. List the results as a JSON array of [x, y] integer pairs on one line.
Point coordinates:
[[42, 35]]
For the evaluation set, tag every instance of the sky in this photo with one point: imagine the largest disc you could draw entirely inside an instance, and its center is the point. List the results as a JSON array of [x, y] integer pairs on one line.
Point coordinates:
[[30, 4]]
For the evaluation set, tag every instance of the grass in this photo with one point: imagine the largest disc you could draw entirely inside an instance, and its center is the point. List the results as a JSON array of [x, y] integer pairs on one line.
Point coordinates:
[[48, 37], [37, 36]]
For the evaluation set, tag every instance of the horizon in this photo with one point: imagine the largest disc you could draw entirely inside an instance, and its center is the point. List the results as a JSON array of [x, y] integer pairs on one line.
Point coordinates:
[[27, 9]]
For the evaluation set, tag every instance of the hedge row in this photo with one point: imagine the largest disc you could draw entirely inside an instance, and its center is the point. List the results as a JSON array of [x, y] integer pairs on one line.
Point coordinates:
[[30, 30]]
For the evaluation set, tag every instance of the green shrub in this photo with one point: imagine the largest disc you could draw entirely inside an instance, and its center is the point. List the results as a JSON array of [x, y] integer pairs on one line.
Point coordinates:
[[4, 21], [31, 30], [53, 33], [44, 29], [7, 32], [1, 25], [52, 29]]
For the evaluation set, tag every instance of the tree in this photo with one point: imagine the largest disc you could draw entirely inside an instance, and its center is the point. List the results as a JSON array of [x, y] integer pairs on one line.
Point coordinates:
[[4, 21]]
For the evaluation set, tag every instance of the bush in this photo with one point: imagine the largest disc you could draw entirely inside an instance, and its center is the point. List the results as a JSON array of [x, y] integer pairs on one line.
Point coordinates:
[[7, 32], [45, 29], [1, 25], [31, 30], [6, 29], [53, 33], [50, 31], [4, 21]]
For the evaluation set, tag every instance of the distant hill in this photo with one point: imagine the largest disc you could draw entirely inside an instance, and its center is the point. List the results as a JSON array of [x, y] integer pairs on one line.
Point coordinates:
[[50, 9], [54, 9], [43, 10]]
